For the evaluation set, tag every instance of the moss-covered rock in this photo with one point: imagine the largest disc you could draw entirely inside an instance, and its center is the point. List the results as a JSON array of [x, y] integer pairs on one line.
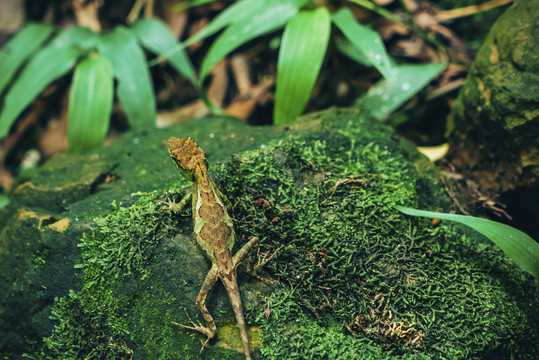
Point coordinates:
[[356, 279], [495, 121]]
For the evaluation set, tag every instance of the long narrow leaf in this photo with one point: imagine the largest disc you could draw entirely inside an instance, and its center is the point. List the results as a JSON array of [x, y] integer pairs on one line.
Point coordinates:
[[129, 66], [17, 50], [90, 103], [365, 39], [347, 48], [184, 5], [387, 95], [237, 12], [517, 245], [272, 17], [51, 62], [4, 201], [155, 36], [302, 52]]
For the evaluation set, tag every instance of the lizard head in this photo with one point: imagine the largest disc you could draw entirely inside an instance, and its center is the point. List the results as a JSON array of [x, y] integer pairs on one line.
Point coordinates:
[[188, 157]]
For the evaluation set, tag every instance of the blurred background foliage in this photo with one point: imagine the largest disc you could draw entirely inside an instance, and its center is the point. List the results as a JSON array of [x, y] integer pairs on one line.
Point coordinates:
[[76, 73]]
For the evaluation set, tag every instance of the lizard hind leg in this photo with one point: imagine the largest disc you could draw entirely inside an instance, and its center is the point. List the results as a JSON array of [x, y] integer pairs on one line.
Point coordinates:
[[245, 249], [210, 329], [252, 268], [256, 263]]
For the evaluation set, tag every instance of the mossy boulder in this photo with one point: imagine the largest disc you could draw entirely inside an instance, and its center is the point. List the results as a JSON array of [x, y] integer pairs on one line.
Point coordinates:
[[494, 124], [356, 279]]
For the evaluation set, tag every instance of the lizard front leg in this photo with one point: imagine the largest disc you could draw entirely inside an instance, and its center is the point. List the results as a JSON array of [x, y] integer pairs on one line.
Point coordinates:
[[178, 207], [210, 329]]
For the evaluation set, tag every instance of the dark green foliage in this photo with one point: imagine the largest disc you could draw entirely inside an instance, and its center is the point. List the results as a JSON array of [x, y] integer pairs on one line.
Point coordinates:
[[81, 334], [92, 321], [349, 255], [517, 245], [305, 339], [97, 58], [131, 275]]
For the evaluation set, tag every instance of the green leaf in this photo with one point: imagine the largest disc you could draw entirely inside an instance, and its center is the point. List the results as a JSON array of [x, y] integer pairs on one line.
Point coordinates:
[[380, 10], [17, 50], [238, 12], [51, 62], [365, 40], [135, 90], [90, 103], [4, 201], [264, 16], [389, 94], [347, 48], [189, 4], [156, 37], [515, 244], [302, 52]]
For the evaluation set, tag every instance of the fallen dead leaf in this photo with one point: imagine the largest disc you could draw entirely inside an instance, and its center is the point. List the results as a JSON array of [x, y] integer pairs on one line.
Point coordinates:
[[176, 20], [86, 13], [243, 106], [193, 110], [61, 225]]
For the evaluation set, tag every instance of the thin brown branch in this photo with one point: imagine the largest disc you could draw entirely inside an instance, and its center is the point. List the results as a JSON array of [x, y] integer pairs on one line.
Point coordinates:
[[470, 10]]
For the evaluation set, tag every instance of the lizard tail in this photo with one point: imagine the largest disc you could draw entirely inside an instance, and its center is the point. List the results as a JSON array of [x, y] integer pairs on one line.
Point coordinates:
[[233, 291]]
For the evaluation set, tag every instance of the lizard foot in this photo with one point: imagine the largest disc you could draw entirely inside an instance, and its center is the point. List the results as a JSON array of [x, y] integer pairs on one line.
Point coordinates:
[[170, 205], [175, 207], [197, 328], [200, 328]]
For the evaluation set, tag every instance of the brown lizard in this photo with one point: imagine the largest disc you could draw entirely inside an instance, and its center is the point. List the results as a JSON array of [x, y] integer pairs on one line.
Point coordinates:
[[214, 232]]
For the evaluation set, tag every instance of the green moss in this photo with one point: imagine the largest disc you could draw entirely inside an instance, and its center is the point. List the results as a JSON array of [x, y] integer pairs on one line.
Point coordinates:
[[354, 274], [81, 334], [349, 255], [291, 334], [123, 306], [117, 249]]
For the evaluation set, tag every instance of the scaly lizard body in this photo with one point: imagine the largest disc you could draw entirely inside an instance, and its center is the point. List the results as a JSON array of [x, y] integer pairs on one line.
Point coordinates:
[[214, 232]]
